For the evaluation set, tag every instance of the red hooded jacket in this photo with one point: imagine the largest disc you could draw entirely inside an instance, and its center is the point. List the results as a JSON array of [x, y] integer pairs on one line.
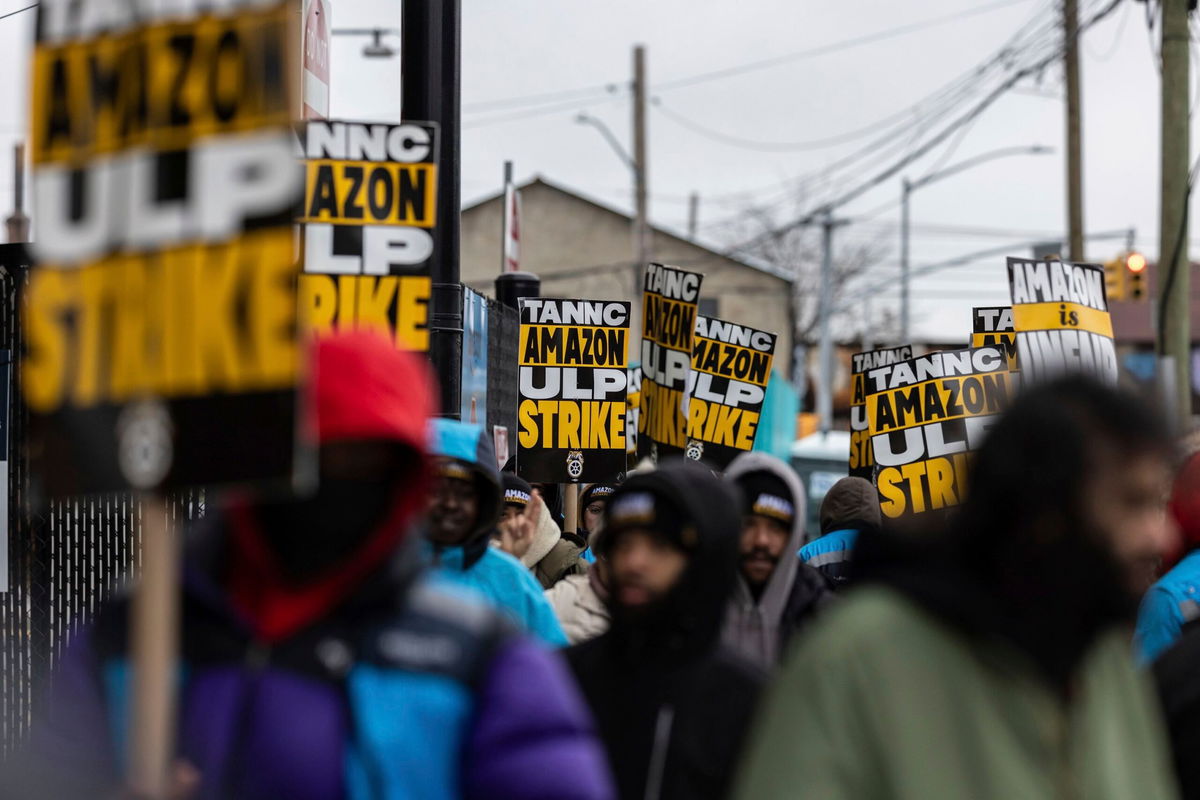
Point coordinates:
[[365, 389]]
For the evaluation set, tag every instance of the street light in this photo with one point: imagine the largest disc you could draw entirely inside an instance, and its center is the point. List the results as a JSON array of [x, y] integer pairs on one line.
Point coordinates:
[[908, 187], [639, 220], [375, 48]]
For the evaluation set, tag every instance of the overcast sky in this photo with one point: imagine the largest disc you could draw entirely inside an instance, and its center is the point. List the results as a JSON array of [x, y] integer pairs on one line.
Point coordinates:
[[516, 48]]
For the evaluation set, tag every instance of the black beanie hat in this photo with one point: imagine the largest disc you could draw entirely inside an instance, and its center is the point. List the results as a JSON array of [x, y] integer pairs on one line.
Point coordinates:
[[597, 491], [765, 493], [635, 506], [517, 491]]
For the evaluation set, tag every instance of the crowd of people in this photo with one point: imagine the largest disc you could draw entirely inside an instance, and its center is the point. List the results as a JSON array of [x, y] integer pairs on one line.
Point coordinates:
[[423, 627]]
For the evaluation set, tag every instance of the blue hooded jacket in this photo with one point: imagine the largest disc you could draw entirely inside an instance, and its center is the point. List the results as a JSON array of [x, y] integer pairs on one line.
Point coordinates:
[[1169, 605], [502, 581]]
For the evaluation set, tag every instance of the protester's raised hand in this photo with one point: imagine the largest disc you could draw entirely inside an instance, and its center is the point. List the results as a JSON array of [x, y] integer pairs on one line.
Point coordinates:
[[516, 533]]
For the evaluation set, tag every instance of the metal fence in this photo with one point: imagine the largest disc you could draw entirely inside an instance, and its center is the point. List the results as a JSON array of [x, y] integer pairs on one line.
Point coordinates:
[[63, 557]]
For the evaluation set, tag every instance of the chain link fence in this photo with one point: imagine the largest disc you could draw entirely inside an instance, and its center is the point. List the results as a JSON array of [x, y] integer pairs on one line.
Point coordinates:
[[64, 557]]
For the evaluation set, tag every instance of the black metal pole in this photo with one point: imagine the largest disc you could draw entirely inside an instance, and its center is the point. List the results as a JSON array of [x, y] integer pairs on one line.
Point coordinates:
[[430, 56]]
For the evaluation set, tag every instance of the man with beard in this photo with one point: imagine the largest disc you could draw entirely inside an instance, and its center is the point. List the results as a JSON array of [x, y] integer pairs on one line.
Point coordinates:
[[671, 706], [776, 593], [990, 659], [318, 662]]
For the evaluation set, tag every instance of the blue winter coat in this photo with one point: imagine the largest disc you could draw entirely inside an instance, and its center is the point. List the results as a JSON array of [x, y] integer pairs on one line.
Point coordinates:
[[1167, 607], [501, 580]]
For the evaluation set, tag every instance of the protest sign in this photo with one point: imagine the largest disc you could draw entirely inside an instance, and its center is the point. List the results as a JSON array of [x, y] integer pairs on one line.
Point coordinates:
[[160, 329], [924, 416], [571, 413], [633, 406], [669, 309], [370, 227], [731, 365], [992, 326], [1061, 320], [862, 463]]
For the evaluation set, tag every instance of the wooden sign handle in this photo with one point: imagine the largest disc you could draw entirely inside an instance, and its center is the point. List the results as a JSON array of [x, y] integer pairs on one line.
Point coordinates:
[[154, 623]]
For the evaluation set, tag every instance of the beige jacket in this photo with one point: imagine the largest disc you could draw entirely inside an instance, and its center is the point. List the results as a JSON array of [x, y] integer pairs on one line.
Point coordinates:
[[579, 606], [551, 557]]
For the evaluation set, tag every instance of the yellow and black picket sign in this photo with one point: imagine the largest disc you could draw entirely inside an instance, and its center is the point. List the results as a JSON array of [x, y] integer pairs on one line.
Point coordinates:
[[1061, 319], [862, 463], [160, 321], [731, 366], [370, 227], [572, 373], [925, 416], [670, 303], [992, 326]]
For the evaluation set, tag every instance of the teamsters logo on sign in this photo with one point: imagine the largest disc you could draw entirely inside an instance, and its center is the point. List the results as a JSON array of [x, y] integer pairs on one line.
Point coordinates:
[[862, 462], [731, 365], [160, 326], [1060, 314], [370, 214], [572, 385], [669, 305], [924, 416]]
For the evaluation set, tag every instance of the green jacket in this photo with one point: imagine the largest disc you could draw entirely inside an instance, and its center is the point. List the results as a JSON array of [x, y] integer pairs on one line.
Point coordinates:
[[882, 700]]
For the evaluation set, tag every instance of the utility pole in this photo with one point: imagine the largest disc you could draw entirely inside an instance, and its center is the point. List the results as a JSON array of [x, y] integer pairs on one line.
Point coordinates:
[[641, 224], [1074, 138], [825, 324], [431, 90], [1174, 273], [18, 222], [693, 215]]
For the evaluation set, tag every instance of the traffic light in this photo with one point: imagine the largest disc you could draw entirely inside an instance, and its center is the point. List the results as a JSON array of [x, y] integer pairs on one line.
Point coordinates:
[[1114, 279], [1135, 267]]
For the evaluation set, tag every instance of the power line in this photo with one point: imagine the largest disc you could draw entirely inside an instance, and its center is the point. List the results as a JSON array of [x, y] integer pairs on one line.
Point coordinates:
[[737, 69], [18, 11], [937, 139], [776, 147], [833, 47], [572, 105], [543, 97], [942, 102]]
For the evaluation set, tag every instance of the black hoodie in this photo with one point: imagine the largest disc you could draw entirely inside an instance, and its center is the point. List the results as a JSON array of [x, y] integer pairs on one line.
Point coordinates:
[[671, 706]]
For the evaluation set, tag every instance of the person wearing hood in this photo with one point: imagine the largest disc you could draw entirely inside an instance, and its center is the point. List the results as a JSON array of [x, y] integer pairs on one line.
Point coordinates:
[[591, 516], [1174, 601], [986, 654], [464, 507], [671, 705], [313, 648], [775, 593], [850, 506]]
